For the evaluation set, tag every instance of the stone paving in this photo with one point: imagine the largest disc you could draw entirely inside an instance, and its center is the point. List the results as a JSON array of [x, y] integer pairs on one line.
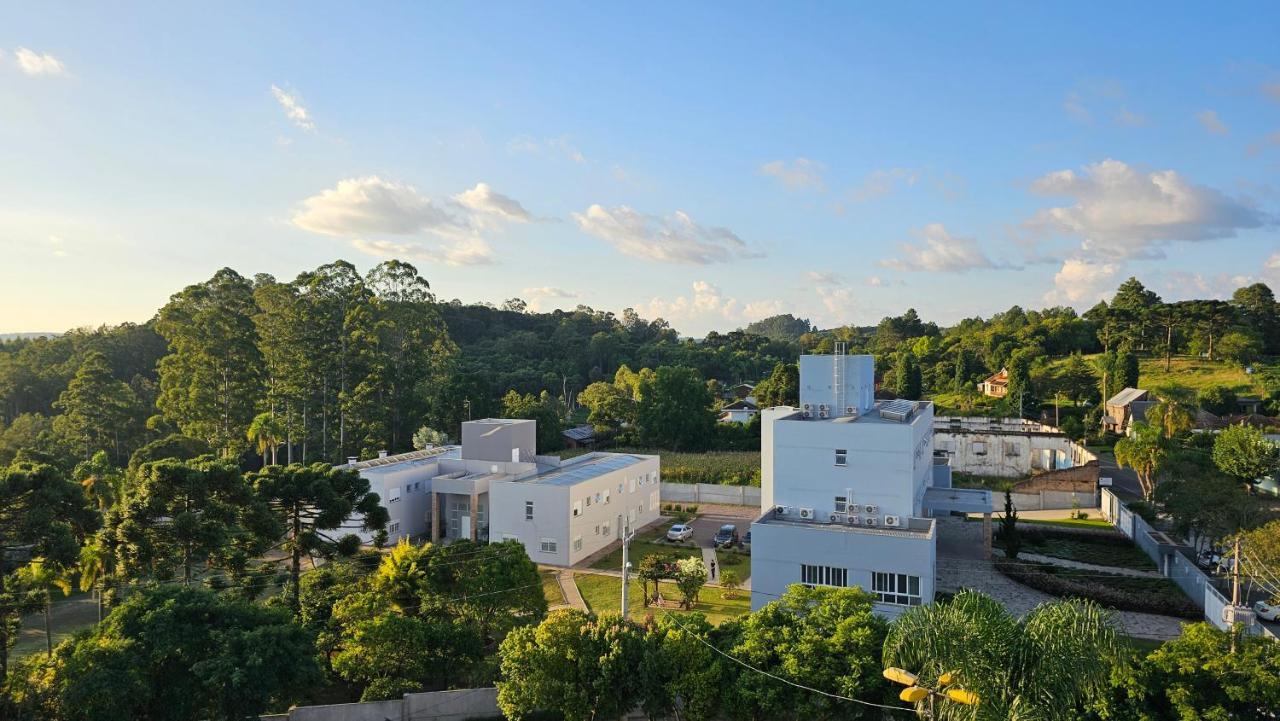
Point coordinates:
[[570, 590]]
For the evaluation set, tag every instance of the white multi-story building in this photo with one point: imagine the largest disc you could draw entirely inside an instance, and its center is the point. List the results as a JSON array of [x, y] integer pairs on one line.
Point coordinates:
[[849, 488], [494, 487]]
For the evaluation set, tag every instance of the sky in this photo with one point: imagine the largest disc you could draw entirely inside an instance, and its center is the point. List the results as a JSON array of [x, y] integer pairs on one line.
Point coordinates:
[[709, 163]]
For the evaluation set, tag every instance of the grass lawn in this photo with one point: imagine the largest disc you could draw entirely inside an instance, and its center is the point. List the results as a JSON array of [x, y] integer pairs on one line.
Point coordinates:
[[1187, 371], [647, 544], [959, 479], [739, 563], [69, 615], [1070, 522], [1143, 646], [551, 588], [603, 594], [1084, 551]]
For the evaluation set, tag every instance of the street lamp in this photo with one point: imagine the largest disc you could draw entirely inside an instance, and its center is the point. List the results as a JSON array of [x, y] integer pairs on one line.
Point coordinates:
[[916, 693]]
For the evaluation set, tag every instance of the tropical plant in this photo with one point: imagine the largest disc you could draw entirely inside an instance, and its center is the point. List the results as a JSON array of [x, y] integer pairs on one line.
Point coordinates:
[[39, 578], [1175, 412], [266, 432], [1144, 451], [1043, 667]]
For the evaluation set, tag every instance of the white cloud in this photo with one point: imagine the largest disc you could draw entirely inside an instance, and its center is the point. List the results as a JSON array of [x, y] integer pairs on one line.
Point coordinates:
[[801, 173], [547, 291], [465, 251], [940, 252], [707, 307], [1211, 122], [561, 146], [361, 209], [875, 281], [676, 238], [1130, 118], [883, 182], [57, 247], [1073, 104], [293, 108], [1120, 212], [824, 277], [34, 63], [1083, 282], [485, 200], [839, 302]]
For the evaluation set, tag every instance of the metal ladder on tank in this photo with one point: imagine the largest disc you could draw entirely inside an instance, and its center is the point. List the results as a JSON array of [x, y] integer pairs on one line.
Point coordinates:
[[837, 378]]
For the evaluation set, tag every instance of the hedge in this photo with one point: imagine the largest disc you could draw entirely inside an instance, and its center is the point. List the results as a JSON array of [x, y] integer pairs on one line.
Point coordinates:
[[1123, 593]]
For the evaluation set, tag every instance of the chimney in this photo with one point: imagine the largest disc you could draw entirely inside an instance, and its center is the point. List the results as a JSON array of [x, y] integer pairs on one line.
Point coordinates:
[[351, 460], [382, 454]]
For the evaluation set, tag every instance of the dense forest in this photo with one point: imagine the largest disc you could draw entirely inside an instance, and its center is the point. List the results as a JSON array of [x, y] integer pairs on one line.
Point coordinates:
[[335, 364]]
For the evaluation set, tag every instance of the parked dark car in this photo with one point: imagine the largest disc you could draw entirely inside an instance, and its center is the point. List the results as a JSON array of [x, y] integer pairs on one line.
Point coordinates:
[[726, 536]]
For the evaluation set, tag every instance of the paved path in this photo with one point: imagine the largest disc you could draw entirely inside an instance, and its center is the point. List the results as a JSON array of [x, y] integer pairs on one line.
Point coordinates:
[[1067, 563], [570, 590], [708, 558]]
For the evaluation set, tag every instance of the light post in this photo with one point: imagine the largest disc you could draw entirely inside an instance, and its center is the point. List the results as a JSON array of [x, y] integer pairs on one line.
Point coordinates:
[[915, 692]]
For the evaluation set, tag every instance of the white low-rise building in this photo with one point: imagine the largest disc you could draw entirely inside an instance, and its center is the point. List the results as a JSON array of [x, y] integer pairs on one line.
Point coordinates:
[[849, 488], [494, 487]]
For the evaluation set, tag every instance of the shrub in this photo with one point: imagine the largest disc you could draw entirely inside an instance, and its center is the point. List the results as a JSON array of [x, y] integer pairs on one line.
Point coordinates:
[[1124, 593]]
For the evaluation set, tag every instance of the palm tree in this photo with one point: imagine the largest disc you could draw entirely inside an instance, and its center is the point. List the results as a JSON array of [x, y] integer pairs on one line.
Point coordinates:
[[97, 565], [101, 481], [1145, 453], [1175, 413], [1042, 667], [39, 579], [266, 431]]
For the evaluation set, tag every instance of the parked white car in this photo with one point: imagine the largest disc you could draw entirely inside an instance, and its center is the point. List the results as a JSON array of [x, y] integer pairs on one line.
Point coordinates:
[[680, 532], [1266, 611]]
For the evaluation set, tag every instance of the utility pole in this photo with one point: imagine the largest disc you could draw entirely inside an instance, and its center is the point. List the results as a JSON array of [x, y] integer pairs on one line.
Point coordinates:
[[1235, 591], [627, 535]]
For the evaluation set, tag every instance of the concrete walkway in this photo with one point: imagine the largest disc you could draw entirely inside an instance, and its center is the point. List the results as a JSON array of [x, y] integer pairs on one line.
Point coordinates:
[[570, 590], [708, 558]]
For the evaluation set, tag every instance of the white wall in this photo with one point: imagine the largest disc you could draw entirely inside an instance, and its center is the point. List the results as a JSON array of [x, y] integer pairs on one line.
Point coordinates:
[[411, 510], [550, 518], [817, 382], [778, 550]]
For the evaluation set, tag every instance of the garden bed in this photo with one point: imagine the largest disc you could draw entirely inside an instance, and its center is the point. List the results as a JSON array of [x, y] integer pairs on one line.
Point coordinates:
[[1101, 549], [1123, 593]]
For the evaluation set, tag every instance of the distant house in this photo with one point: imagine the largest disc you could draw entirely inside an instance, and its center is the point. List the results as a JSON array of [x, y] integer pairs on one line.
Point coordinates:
[[583, 436], [742, 391], [996, 385], [1248, 405], [739, 411], [1119, 412]]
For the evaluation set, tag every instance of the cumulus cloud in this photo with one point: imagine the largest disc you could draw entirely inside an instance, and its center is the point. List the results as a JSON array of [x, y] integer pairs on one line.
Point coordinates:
[[839, 302], [882, 182], [800, 173], [1210, 121], [1073, 104], [34, 63], [362, 209], [485, 200], [707, 307], [940, 251], [1083, 282], [824, 277], [293, 108], [676, 238], [547, 291], [875, 281], [1120, 212], [1130, 118]]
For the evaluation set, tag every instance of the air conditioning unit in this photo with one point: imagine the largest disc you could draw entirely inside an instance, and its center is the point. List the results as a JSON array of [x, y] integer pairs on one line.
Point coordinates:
[[872, 521], [837, 517], [849, 410], [806, 414], [871, 509], [892, 521], [780, 510], [808, 406], [822, 413], [806, 514], [855, 520], [822, 407]]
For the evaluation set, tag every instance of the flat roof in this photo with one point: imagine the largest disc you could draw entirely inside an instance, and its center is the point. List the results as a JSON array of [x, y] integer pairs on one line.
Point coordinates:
[[412, 458], [591, 465], [871, 416], [914, 527]]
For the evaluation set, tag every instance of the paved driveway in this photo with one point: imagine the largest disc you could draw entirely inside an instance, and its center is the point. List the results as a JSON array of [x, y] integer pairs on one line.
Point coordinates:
[[706, 527], [1123, 480]]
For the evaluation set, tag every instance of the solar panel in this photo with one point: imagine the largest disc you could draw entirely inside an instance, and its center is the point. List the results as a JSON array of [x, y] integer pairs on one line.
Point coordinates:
[[897, 410]]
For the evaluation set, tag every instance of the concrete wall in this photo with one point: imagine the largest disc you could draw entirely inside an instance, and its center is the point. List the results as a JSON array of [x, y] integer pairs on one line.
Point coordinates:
[[778, 550], [1051, 500], [1006, 447], [817, 386], [710, 493], [456, 705], [412, 509], [493, 439]]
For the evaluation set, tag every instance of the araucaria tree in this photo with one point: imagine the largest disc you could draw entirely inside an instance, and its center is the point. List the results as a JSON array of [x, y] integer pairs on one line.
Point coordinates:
[[313, 504]]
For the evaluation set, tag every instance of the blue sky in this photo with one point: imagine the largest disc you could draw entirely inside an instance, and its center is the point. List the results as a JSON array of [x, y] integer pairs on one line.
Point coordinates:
[[708, 163]]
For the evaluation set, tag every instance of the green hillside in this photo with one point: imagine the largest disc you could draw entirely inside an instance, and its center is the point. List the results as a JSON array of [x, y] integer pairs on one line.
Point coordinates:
[[1187, 371]]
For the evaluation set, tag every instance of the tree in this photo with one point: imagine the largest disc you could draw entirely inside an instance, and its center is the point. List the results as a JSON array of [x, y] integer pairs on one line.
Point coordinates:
[[675, 410], [1257, 307], [729, 579], [394, 654], [609, 405], [426, 437], [1010, 537], [1058, 657], [1245, 454], [492, 588], [96, 408], [906, 377], [1243, 349], [266, 432], [1133, 306], [174, 653], [311, 502], [39, 578], [43, 514], [1175, 411], [690, 577], [1021, 390], [1076, 379], [180, 514], [544, 410], [174, 446], [1217, 399], [823, 637], [780, 327], [210, 379], [1198, 676], [781, 388], [1144, 451], [1261, 551], [1126, 370]]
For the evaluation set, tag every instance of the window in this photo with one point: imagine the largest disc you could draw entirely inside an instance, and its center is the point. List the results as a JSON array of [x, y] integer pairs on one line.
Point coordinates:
[[653, 499], [510, 537], [606, 496], [639, 510], [823, 575], [393, 494], [1011, 449], [842, 457], [896, 588], [408, 488], [598, 496], [619, 488], [588, 501], [577, 543], [577, 508], [979, 448], [604, 529], [842, 504], [597, 529], [528, 510], [393, 527], [548, 545]]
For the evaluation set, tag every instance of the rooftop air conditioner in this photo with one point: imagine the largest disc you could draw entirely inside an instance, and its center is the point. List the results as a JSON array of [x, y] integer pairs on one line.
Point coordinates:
[[848, 410], [855, 520], [822, 413], [780, 510], [892, 521], [836, 517], [806, 513], [806, 414], [871, 509], [808, 406], [872, 521]]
